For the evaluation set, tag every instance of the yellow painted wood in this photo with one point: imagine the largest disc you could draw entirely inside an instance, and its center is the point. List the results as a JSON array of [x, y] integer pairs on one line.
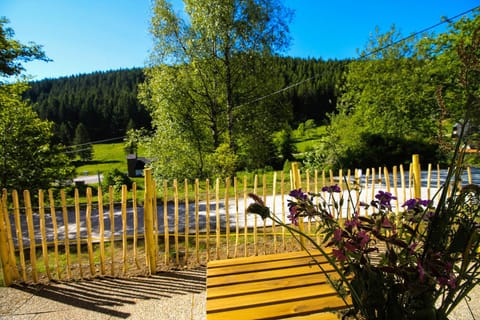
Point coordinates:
[[166, 237], [417, 183], [11, 247], [43, 232], [111, 209], [237, 217], [253, 259], [197, 220], [269, 284], [135, 225], [279, 310], [124, 229], [207, 236], [217, 218], [271, 287], [31, 234], [318, 316], [149, 223], [101, 224], [67, 238], [227, 217], [88, 221], [264, 197], [79, 239], [187, 219], [175, 221], [245, 230], [53, 214], [18, 228], [255, 219], [7, 255]]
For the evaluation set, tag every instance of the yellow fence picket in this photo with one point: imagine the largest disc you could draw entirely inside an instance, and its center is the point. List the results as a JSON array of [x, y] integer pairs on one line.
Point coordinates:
[[124, 229], [53, 215], [78, 224], [227, 217], [186, 240], [165, 223], [135, 224], [111, 208], [19, 233], [66, 233], [197, 220], [217, 218], [43, 232], [207, 218], [7, 255], [88, 220], [31, 235], [101, 226], [175, 221]]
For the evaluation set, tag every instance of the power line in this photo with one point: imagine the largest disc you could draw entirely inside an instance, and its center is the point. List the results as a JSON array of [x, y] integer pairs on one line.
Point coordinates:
[[93, 142], [445, 20]]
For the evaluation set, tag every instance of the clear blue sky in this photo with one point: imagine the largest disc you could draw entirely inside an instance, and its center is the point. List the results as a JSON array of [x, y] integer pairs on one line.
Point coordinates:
[[83, 36]]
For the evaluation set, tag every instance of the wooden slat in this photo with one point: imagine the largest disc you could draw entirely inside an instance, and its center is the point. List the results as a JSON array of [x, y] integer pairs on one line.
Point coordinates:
[[283, 310], [271, 287]]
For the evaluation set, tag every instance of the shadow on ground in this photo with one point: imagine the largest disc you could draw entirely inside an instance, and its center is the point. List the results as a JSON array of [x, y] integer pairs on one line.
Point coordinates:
[[105, 295]]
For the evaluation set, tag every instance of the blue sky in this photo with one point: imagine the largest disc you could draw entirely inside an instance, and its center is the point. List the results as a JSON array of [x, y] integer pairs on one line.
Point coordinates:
[[83, 36]]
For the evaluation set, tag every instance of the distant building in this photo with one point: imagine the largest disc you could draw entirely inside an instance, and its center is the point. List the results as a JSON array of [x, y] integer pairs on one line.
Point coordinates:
[[136, 165]]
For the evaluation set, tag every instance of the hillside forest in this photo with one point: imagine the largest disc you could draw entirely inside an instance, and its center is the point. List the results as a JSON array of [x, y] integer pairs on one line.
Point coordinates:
[[106, 103]]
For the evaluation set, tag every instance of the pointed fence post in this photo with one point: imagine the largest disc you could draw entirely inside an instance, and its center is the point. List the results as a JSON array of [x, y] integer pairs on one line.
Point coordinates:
[[150, 246], [297, 184], [7, 255], [417, 177]]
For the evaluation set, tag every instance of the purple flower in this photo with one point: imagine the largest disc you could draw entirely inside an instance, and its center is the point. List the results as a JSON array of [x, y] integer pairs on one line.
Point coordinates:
[[339, 255], [364, 238], [421, 271], [293, 216], [384, 198], [413, 203], [337, 234], [334, 188], [298, 194]]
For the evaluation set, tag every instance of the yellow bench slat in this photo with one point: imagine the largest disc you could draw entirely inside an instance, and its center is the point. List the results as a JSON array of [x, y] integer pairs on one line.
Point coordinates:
[[281, 310], [266, 285]]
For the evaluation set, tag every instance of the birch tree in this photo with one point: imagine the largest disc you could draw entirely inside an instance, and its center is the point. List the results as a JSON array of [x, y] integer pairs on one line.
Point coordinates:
[[207, 84]]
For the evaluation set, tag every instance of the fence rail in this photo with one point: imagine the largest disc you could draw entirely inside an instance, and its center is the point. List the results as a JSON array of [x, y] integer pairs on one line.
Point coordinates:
[[49, 240]]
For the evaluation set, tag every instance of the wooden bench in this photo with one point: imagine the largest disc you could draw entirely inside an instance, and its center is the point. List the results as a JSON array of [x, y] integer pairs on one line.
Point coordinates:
[[277, 286]]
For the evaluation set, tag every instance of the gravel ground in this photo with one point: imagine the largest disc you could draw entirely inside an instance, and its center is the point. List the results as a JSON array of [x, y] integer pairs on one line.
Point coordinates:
[[177, 295]]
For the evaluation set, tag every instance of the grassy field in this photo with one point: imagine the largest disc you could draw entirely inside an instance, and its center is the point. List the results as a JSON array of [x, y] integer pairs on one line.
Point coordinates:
[[111, 156], [106, 157]]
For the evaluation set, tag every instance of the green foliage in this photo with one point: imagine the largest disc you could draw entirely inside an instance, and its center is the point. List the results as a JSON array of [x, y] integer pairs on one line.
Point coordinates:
[[207, 70], [28, 158], [284, 144], [397, 97], [116, 178], [223, 162], [82, 143]]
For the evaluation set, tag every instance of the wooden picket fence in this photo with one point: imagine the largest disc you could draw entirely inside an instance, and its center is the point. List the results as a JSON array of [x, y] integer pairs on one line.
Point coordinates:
[[189, 226]]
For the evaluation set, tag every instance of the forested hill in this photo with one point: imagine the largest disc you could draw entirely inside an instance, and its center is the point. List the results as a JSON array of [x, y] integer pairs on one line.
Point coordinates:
[[106, 102]]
